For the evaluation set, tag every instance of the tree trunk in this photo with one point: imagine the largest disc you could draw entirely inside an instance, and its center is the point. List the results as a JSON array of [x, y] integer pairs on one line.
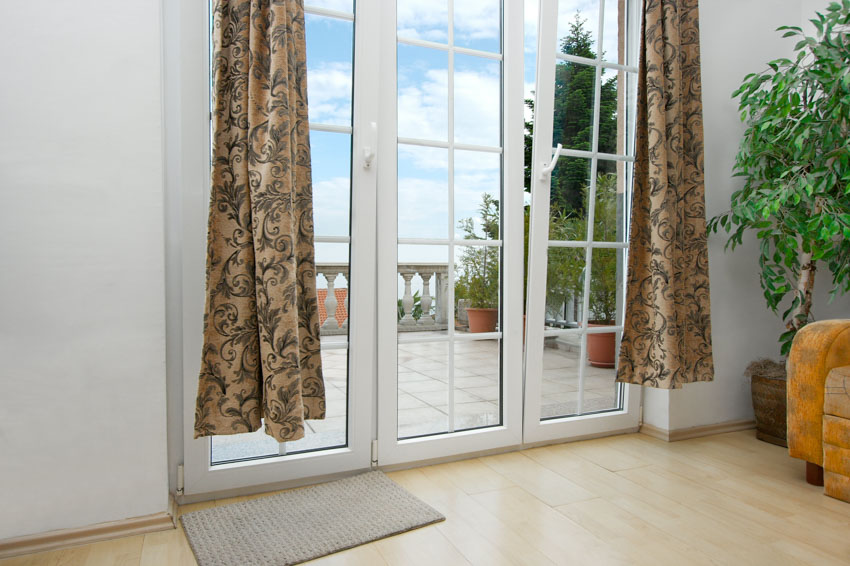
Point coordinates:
[[805, 283]]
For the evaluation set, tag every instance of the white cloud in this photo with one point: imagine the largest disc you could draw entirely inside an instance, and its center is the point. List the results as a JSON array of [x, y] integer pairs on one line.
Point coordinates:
[[474, 20], [330, 206], [477, 100], [329, 93], [423, 108]]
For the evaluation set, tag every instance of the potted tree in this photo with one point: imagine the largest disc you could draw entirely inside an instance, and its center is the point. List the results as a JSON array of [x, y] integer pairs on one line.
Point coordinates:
[[602, 302], [795, 163], [477, 270]]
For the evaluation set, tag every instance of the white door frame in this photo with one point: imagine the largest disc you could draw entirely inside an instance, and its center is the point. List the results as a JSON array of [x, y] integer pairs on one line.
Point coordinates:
[[626, 419], [391, 450], [194, 80]]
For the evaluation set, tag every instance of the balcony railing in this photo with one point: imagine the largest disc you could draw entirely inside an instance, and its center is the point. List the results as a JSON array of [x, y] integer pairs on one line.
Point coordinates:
[[432, 277]]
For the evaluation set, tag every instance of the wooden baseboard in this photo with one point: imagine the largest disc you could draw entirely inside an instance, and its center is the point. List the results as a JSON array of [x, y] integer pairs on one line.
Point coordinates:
[[696, 431], [62, 538]]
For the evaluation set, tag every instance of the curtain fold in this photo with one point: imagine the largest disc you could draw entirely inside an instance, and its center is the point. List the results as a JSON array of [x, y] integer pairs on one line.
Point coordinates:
[[667, 336], [261, 359]]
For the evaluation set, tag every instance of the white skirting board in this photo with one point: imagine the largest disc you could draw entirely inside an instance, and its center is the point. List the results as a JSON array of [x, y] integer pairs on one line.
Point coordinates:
[[63, 538], [696, 431]]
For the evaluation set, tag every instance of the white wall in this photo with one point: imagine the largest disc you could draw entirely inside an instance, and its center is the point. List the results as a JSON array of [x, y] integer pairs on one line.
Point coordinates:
[[82, 332], [737, 38]]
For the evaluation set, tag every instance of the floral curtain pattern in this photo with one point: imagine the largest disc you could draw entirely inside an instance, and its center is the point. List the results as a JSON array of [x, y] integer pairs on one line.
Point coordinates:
[[261, 359], [667, 336]]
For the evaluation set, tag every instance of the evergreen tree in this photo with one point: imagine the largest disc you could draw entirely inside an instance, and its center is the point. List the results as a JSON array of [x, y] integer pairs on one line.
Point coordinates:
[[573, 121]]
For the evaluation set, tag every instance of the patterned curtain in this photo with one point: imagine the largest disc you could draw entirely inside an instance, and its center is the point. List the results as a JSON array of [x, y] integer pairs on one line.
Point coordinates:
[[667, 337], [261, 358]]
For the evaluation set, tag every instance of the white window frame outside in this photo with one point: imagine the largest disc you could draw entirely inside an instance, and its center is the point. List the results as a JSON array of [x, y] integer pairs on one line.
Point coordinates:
[[581, 425]]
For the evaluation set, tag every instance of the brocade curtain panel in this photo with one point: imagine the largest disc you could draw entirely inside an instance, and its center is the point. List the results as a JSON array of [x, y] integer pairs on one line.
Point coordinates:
[[261, 358], [667, 336]]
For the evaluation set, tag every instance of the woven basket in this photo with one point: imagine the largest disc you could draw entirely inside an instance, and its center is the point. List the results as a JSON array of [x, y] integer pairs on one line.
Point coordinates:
[[769, 405]]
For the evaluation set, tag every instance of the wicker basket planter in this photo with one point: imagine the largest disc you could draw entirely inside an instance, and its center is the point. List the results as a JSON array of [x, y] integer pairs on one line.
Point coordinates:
[[768, 380]]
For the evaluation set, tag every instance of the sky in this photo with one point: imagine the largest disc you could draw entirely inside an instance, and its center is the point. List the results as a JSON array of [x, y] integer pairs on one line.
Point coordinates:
[[423, 112]]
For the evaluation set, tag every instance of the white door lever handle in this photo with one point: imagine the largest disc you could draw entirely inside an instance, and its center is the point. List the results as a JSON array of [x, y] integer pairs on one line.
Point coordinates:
[[369, 150], [547, 169]]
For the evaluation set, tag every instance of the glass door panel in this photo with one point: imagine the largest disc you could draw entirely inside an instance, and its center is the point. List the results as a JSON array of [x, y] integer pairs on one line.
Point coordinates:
[[443, 344], [344, 182], [330, 57], [581, 181]]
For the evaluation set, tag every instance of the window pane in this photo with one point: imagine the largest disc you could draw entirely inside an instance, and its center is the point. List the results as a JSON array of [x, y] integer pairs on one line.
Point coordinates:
[[477, 192], [477, 290], [423, 19], [608, 112], [602, 303], [601, 392], [331, 161], [423, 192], [578, 27], [609, 215], [423, 286], [612, 46], [477, 383], [572, 125], [477, 25], [477, 86], [423, 108], [565, 287], [327, 433], [330, 48], [423, 394], [568, 199], [559, 386]]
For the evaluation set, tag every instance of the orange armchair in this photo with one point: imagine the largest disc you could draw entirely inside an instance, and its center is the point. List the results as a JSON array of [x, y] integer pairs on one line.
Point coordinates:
[[818, 348]]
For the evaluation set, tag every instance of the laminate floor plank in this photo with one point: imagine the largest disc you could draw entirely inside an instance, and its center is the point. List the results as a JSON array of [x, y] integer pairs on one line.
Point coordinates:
[[727, 499]]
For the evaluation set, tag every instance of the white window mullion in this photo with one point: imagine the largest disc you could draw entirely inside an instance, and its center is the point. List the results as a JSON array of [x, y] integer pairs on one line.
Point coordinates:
[[451, 203]]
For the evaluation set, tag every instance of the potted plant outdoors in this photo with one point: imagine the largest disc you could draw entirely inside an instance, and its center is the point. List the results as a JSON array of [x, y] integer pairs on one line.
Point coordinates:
[[566, 269], [602, 302], [795, 162], [477, 270]]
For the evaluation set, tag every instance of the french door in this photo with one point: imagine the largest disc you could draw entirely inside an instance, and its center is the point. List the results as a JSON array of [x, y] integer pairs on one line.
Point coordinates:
[[450, 221], [343, 115], [581, 178], [416, 133]]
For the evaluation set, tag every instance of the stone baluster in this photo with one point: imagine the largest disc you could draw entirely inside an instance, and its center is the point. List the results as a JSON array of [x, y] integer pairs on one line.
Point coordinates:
[[407, 299], [438, 298], [426, 319], [331, 322], [442, 306], [344, 325]]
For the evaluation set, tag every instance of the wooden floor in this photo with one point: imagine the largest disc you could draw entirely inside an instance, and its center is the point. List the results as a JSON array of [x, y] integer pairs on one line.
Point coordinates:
[[725, 499]]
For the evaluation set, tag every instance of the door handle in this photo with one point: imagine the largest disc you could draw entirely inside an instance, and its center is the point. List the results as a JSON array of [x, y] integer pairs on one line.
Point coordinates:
[[547, 169], [369, 150]]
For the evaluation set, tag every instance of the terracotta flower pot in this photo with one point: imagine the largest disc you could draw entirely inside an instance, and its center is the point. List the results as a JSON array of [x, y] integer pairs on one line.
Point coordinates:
[[482, 320], [601, 348]]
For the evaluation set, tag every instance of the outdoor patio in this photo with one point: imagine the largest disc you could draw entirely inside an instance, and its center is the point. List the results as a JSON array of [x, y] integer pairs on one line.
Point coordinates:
[[423, 393]]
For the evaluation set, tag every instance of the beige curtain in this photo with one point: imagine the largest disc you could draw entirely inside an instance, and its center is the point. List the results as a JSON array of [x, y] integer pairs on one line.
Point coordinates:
[[261, 356], [667, 336]]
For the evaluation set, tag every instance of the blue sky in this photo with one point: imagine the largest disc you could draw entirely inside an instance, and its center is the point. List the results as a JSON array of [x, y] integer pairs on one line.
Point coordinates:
[[423, 111]]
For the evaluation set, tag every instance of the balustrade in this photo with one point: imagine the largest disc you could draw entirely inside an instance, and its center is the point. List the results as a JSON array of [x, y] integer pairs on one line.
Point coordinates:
[[434, 307]]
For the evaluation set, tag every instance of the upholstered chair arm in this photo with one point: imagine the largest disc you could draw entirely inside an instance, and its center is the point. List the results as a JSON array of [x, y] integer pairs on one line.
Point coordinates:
[[817, 348]]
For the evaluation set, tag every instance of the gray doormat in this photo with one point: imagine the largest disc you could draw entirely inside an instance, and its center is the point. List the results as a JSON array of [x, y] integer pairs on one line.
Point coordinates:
[[303, 524]]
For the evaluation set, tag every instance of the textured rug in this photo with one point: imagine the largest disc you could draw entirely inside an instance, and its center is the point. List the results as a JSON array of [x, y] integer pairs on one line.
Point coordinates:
[[303, 524]]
